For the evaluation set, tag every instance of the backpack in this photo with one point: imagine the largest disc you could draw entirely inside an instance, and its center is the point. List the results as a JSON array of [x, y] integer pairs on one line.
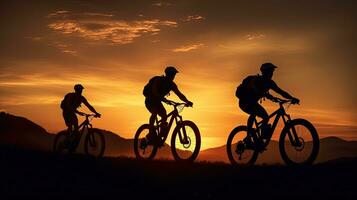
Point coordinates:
[[63, 102], [148, 87], [67, 98], [244, 88]]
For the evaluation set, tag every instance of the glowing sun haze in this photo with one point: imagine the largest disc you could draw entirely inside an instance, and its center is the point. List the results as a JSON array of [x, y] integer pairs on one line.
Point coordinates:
[[114, 48]]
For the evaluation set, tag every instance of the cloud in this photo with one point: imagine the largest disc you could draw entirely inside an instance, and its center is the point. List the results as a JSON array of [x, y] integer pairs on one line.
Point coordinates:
[[107, 29], [161, 4], [254, 36], [58, 13], [65, 48], [188, 48], [35, 39], [194, 18]]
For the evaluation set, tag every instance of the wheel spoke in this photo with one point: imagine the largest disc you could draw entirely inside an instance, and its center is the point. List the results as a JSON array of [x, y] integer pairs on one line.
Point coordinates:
[[94, 143], [305, 147], [186, 147]]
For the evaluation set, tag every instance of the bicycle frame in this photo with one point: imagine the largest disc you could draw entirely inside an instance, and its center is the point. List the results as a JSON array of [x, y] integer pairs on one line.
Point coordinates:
[[172, 116], [279, 113], [85, 124]]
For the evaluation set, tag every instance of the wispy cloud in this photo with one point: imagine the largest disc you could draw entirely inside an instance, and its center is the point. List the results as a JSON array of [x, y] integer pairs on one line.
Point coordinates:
[[65, 48], [194, 18], [58, 13], [188, 47], [35, 39], [108, 29], [254, 36], [161, 4]]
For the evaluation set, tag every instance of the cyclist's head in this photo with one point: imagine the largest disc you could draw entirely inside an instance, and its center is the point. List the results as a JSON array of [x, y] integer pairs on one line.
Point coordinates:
[[170, 72], [78, 88], [267, 70]]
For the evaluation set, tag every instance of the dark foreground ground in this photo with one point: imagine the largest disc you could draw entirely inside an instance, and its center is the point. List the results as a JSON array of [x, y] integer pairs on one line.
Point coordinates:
[[33, 173]]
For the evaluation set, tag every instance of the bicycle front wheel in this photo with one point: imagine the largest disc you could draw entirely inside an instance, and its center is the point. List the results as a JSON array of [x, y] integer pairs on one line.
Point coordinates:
[[186, 141], [144, 149], [94, 143], [301, 148], [238, 151]]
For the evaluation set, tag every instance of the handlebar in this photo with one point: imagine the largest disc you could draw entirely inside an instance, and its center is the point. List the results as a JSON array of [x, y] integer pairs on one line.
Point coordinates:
[[90, 115], [281, 101], [175, 104]]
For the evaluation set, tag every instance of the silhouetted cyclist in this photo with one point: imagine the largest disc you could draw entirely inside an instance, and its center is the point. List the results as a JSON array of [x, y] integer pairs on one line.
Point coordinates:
[[155, 92], [69, 106], [253, 88]]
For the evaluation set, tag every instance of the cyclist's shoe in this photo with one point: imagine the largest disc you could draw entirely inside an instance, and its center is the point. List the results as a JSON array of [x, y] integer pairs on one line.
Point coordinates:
[[160, 142], [240, 147], [248, 142]]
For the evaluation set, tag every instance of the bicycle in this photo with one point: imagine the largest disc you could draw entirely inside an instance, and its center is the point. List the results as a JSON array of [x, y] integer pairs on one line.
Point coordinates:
[[185, 139], [94, 142], [293, 143]]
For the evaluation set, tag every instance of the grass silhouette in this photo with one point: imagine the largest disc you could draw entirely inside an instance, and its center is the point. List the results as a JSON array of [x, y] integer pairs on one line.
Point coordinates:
[[44, 174]]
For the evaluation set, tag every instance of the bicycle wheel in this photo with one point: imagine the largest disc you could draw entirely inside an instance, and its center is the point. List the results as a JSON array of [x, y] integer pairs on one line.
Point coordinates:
[[94, 143], [237, 150], [61, 143], [307, 149], [142, 148], [186, 150]]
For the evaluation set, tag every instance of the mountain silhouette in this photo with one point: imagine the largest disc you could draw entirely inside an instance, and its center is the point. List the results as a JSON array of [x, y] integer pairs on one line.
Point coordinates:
[[21, 132], [331, 148], [24, 133]]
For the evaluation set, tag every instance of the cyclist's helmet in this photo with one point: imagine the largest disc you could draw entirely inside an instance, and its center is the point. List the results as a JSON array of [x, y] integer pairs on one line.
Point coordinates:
[[170, 70], [267, 67], [78, 87]]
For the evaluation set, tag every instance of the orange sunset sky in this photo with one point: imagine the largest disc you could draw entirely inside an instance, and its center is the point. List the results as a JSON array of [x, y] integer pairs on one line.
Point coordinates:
[[114, 47]]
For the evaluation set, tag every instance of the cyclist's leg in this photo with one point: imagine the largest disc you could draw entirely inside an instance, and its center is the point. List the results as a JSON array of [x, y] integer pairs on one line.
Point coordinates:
[[262, 113], [245, 105], [152, 108], [68, 118], [68, 121], [254, 109], [249, 108], [162, 113], [75, 124]]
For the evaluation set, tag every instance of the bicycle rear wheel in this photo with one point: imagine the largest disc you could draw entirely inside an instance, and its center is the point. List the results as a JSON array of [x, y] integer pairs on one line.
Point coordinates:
[[237, 150], [306, 150], [186, 150], [94, 143], [144, 149], [61, 143]]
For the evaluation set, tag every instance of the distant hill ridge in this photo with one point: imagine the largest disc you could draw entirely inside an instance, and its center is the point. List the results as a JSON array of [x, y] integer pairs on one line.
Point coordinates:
[[19, 131]]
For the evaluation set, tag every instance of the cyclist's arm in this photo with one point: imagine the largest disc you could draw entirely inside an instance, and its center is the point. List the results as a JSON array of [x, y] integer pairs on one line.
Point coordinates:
[[179, 94], [278, 90], [78, 112], [84, 100], [269, 96]]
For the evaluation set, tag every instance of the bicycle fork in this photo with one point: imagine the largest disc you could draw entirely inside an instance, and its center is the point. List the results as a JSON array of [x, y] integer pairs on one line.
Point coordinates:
[[182, 134], [292, 134]]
